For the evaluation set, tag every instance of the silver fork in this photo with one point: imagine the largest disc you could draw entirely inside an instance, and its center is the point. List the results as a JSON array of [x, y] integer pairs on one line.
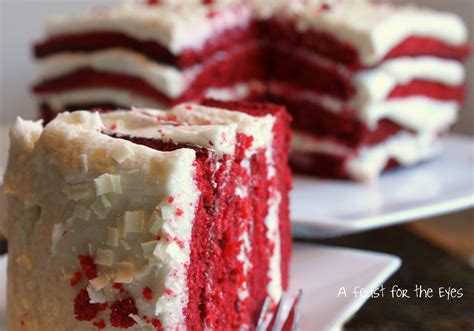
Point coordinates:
[[289, 307]]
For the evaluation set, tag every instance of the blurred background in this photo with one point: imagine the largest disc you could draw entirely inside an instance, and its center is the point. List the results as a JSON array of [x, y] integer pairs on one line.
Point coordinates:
[[22, 22]]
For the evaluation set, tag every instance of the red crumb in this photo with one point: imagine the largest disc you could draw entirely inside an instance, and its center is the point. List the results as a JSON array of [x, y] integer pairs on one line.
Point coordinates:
[[168, 237], [83, 309], [212, 13], [157, 324], [188, 107], [147, 293], [88, 266], [119, 287], [325, 6], [179, 212], [167, 119], [120, 313], [153, 2], [169, 292], [207, 2], [179, 242], [170, 199], [113, 126], [100, 324], [158, 237], [75, 278]]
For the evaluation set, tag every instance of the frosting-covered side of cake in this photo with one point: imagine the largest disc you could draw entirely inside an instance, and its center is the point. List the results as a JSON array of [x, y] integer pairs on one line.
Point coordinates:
[[112, 217]]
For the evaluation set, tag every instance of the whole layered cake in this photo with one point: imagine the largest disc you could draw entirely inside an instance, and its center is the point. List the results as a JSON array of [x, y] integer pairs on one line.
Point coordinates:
[[148, 220], [370, 85]]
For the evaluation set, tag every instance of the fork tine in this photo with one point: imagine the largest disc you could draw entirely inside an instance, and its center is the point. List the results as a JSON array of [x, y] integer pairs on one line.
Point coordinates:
[[263, 312], [278, 315], [297, 310]]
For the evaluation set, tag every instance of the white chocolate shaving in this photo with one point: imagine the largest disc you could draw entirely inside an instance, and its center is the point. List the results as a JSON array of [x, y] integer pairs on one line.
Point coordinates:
[[99, 209], [96, 296], [81, 212], [108, 183], [112, 236], [104, 257], [125, 272], [100, 282], [156, 223], [77, 192], [133, 222], [148, 248], [84, 163], [122, 153]]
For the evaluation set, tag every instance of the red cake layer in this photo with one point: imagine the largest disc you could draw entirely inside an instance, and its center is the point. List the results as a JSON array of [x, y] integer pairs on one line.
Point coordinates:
[[243, 64], [327, 45], [100, 40], [282, 184], [342, 127], [294, 69], [326, 165], [433, 90], [426, 46]]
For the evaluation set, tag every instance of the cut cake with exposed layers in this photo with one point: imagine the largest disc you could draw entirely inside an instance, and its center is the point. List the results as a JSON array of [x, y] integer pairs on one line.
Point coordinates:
[[148, 219], [357, 76]]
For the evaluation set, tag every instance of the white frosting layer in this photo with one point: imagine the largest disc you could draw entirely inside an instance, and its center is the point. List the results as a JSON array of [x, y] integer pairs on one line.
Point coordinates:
[[239, 91], [418, 113], [367, 163], [376, 84], [71, 177], [405, 148], [174, 25], [164, 78], [259, 128], [374, 29], [59, 100], [305, 143], [220, 138]]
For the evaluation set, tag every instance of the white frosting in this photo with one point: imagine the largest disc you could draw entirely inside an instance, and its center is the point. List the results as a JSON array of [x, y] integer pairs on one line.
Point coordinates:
[[376, 84], [164, 78], [406, 148], [374, 29], [220, 138], [58, 100], [239, 91], [366, 163], [305, 143], [256, 127], [43, 163], [418, 113], [172, 24]]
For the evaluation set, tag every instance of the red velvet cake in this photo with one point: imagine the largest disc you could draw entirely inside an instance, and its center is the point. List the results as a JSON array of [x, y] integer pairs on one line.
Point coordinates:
[[147, 219], [369, 84]]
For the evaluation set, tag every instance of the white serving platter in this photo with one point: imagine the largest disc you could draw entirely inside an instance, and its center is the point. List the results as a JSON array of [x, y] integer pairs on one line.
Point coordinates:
[[321, 208], [320, 271]]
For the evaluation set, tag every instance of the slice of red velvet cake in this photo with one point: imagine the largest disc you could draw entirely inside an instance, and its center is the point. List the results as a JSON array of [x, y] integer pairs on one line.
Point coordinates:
[[370, 84], [147, 219]]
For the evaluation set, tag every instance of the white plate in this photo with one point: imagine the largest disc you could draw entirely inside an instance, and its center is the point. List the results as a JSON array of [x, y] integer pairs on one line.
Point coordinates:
[[320, 271], [330, 207]]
